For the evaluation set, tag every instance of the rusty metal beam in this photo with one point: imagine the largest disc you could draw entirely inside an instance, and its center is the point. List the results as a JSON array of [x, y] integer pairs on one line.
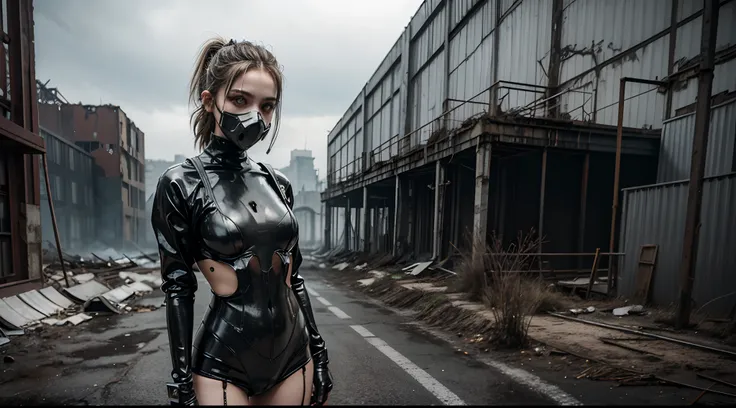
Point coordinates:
[[583, 204], [697, 166], [53, 219]]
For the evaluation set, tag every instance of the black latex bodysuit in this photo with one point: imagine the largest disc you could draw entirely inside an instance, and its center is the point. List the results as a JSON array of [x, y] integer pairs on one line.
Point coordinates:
[[256, 337]]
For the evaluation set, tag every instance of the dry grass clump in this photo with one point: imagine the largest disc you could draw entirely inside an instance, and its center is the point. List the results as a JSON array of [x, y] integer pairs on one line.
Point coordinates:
[[499, 277]]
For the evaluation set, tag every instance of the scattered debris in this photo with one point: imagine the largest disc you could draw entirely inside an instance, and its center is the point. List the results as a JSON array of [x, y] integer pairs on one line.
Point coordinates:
[[704, 347], [417, 268], [626, 310], [341, 266], [589, 309]]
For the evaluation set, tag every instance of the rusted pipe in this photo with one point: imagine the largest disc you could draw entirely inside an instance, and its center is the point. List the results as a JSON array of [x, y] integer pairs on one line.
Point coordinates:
[[53, 218], [652, 335], [617, 168]]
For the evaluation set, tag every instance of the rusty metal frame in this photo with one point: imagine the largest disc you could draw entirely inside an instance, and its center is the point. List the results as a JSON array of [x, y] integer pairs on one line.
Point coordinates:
[[617, 168]]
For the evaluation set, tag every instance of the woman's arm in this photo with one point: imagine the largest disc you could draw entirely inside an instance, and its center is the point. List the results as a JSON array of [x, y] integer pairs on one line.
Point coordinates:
[[317, 346], [170, 223]]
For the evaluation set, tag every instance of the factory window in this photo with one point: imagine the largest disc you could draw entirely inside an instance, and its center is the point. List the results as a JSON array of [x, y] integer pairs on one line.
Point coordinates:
[[74, 192], [56, 188], [71, 158], [57, 151]]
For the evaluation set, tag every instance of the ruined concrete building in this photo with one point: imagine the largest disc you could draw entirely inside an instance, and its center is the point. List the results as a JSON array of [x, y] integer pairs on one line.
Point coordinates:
[[20, 150], [117, 146], [501, 116]]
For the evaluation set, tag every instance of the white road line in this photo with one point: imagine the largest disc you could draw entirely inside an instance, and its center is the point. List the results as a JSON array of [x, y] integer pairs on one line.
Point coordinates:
[[362, 331], [534, 383], [519, 375], [427, 381], [339, 313], [324, 301], [312, 293]]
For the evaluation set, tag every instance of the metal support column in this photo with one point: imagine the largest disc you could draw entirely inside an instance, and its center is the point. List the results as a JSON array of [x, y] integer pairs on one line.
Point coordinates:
[[347, 224], [542, 192], [439, 181], [480, 208], [697, 164], [397, 216], [328, 225], [366, 222], [583, 207]]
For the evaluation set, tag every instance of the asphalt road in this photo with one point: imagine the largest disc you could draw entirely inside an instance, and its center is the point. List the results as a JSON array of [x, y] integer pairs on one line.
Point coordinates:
[[377, 357]]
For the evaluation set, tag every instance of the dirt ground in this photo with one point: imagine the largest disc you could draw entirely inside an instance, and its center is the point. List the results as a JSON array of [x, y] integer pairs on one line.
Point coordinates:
[[582, 350]]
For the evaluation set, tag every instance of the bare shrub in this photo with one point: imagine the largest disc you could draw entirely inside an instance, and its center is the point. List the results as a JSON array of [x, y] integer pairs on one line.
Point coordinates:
[[500, 278]]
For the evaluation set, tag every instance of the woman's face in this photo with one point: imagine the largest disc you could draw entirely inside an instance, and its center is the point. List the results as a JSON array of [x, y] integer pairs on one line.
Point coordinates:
[[254, 89]]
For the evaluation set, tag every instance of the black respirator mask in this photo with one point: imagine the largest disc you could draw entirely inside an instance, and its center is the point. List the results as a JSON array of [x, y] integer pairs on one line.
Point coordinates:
[[245, 129]]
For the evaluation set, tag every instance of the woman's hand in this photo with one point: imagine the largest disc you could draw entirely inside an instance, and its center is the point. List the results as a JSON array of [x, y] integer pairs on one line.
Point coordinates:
[[322, 385]]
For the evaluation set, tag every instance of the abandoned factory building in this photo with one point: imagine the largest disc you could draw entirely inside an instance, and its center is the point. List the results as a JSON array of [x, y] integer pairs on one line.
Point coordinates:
[[501, 116], [107, 136], [20, 152]]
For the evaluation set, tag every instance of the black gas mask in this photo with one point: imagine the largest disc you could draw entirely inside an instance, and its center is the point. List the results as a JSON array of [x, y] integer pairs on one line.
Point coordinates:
[[245, 129]]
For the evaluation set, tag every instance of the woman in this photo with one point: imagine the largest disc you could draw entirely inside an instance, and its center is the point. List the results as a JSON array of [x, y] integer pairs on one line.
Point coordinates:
[[258, 342]]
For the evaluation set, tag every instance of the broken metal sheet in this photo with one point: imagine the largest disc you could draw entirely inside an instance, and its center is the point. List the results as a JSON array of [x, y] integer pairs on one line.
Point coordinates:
[[10, 318], [119, 294], [51, 321], [341, 266], [76, 319], [377, 274], [37, 301], [85, 277], [12, 332], [100, 304], [3, 340], [367, 282], [417, 268], [86, 291], [55, 297], [140, 287], [23, 309], [141, 277]]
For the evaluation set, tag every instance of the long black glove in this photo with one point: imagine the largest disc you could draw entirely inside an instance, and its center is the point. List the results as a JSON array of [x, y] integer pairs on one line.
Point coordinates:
[[322, 376], [169, 221]]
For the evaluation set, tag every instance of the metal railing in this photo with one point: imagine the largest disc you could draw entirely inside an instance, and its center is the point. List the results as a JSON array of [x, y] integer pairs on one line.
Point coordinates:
[[501, 97]]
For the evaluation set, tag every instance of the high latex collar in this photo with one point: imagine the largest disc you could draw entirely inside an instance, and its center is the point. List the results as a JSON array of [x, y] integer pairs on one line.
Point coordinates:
[[222, 151]]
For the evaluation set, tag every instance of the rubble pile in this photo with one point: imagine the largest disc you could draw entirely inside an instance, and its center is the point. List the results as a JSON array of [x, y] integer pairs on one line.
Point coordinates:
[[94, 284]]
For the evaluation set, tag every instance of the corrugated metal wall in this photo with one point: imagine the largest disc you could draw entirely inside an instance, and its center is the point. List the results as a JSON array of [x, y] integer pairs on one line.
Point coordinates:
[[656, 215], [677, 144], [601, 42]]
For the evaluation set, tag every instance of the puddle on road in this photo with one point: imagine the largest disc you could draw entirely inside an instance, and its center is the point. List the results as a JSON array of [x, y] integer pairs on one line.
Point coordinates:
[[126, 343]]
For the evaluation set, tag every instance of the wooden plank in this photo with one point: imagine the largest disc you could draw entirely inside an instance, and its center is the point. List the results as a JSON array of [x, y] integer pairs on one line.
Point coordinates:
[[645, 272]]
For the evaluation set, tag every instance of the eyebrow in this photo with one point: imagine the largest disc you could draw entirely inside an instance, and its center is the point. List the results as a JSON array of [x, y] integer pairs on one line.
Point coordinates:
[[246, 93]]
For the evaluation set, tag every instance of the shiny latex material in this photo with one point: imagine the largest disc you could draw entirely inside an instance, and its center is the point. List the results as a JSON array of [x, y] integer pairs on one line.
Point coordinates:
[[258, 336], [244, 129]]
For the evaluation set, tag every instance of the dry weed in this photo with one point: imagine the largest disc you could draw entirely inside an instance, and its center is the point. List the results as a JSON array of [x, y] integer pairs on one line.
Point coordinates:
[[499, 277]]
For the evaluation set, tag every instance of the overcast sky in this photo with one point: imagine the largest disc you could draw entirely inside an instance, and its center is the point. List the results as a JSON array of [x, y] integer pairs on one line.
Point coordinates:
[[139, 54]]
